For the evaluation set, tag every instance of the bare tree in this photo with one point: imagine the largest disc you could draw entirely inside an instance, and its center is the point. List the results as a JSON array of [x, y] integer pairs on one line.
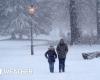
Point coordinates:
[[98, 18], [73, 22]]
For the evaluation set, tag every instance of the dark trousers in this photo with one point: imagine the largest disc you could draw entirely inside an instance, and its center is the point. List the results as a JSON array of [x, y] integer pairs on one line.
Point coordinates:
[[51, 67], [62, 64]]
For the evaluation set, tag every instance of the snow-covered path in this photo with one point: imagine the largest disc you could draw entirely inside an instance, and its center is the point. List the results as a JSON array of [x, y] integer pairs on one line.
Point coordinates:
[[16, 55]]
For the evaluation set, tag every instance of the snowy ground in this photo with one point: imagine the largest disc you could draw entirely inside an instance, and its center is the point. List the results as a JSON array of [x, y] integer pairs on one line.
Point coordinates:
[[15, 55]]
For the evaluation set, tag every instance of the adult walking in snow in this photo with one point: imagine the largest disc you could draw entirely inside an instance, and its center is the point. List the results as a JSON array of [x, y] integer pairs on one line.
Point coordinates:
[[62, 50], [51, 56]]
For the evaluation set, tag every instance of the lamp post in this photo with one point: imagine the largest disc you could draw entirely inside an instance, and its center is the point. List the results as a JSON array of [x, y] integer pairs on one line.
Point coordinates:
[[31, 11]]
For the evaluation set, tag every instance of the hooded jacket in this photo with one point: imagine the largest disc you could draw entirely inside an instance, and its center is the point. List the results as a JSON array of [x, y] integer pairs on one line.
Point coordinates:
[[62, 49], [51, 55]]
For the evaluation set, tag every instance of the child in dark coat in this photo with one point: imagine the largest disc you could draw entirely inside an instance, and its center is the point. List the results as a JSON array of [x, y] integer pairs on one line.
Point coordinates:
[[51, 56]]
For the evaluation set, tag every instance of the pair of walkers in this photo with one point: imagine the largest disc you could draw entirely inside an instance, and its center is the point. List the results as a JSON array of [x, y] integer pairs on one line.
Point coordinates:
[[51, 55]]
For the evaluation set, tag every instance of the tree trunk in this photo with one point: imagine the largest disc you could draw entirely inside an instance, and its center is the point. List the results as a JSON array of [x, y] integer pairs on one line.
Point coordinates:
[[13, 36], [73, 22], [98, 20], [20, 36]]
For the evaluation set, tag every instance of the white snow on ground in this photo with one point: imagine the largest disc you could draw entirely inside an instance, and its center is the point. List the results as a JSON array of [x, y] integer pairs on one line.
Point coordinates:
[[16, 55]]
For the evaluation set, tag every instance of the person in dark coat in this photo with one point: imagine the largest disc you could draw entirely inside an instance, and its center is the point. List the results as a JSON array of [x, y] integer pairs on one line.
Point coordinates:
[[51, 56], [62, 50]]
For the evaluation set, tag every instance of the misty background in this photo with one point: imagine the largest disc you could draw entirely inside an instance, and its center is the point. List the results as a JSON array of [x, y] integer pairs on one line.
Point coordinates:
[[51, 20]]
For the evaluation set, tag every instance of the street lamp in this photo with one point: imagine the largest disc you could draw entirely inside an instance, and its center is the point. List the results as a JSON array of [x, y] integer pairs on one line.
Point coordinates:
[[31, 11]]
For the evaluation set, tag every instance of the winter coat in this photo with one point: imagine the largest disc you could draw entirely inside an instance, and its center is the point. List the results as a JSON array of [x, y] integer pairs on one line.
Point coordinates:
[[51, 55], [62, 50]]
